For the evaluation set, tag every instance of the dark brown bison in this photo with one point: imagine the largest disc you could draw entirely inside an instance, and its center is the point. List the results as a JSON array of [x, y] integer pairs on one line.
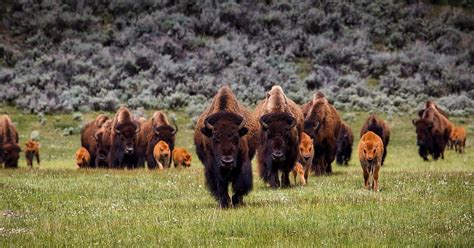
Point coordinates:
[[9, 148], [433, 131], [102, 137], [225, 140], [123, 140], [88, 140], [281, 125], [322, 123], [156, 129], [379, 127], [345, 139]]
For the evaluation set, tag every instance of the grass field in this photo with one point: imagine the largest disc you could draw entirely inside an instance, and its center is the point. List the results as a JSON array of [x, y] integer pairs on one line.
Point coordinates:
[[420, 203]]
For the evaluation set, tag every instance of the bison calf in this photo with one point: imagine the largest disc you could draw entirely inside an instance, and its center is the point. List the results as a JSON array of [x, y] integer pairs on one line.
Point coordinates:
[[161, 154], [370, 157], [305, 158], [32, 151], [82, 158], [459, 139], [181, 157], [379, 127]]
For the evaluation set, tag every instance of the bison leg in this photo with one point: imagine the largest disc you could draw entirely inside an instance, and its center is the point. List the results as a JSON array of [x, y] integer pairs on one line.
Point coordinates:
[[294, 175], [366, 178], [223, 194], [242, 184], [151, 162], [384, 154], [376, 178], [285, 179], [274, 180]]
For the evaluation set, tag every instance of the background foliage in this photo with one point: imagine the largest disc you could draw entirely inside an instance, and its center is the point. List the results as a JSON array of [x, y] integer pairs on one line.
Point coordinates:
[[66, 55]]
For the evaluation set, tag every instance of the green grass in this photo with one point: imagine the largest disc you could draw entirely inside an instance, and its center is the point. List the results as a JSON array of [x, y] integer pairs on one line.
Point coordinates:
[[420, 203]]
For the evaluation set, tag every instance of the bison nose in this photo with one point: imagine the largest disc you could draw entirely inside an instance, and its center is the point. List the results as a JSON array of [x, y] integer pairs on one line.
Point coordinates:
[[129, 150], [227, 159], [306, 158], [370, 160], [101, 156], [277, 155]]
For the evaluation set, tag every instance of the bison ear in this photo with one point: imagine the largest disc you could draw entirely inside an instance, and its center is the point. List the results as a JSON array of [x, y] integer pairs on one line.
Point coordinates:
[[206, 131], [243, 131]]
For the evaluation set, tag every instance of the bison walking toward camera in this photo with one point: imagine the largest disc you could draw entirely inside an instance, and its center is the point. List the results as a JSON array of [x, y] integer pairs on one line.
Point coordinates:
[[281, 125], [9, 148], [123, 140], [322, 123], [305, 158], [225, 140], [370, 157], [379, 127], [345, 139], [156, 129]]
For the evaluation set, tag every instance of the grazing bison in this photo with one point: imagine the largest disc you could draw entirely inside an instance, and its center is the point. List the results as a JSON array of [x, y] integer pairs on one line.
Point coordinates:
[[9, 148], [281, 125], [345, 139], [433, 131], [225, 140], [181, 157], [322, 123], [88, 139], [82, 158], [459, 139], [32, 151], [123, 140], [102, 137], [162, 154], [156, 129], [379, 127], [298, 170], [370, 157]]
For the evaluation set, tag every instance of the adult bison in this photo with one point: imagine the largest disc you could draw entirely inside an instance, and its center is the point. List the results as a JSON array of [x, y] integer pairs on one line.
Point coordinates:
[[345, 139], [433, 131], [123, 140], [225, 140], [322, 123], [281, 125], [379, 127], [156, 129], [9, 148], [88, 139]]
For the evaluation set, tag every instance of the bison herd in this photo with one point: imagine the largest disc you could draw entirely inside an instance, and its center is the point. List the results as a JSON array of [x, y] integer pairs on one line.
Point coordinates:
[[284, 136]]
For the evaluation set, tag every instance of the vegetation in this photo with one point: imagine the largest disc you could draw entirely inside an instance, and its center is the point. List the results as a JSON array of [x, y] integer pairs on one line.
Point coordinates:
[[420, 203]]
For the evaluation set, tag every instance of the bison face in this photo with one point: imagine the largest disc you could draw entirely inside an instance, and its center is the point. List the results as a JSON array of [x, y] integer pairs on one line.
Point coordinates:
[[225, 130], [311, 128], [276, 129], [370, 153], [187, 160], [11, 154], [166, 133], [306, 148], [127, 133], [423, 132]]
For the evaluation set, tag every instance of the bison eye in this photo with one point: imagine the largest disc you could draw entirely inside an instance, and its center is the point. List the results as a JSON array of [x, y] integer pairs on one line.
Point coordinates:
[[310, 149]]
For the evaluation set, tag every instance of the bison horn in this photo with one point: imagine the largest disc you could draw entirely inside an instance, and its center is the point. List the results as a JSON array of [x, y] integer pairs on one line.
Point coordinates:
[[155, 130], [116, 130], [263, 123], [242, 124], [292, 122], [318, 125], [207, 124], [175, 128]]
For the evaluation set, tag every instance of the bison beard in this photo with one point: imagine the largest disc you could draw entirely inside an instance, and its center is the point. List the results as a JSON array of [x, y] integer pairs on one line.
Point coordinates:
[[280, 150], [226, 157]]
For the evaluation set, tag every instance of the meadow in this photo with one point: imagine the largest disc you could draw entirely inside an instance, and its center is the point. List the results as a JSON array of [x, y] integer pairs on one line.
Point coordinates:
[[420, 203]]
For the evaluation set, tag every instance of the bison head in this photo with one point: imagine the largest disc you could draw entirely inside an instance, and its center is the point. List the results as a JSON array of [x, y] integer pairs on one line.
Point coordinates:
[[225, 131], [11, 154], [306, 148], [127, 131], [166, 133], [276, 129], [423, 132], [370, 152]]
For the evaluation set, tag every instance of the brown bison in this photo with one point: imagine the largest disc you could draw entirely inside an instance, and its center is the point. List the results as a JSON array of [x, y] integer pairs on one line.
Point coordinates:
[[102, 138], [181, 157], [458, 137], [82, 158], [225, 140], [123, 140], [370, 157], [88, 139], [32, 151], [157, 128], [298, 170], [379, 127], [162, 154], [9, 148], [433, 131], [322, 123], [305, 158], [281, 125], [345, 139]]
